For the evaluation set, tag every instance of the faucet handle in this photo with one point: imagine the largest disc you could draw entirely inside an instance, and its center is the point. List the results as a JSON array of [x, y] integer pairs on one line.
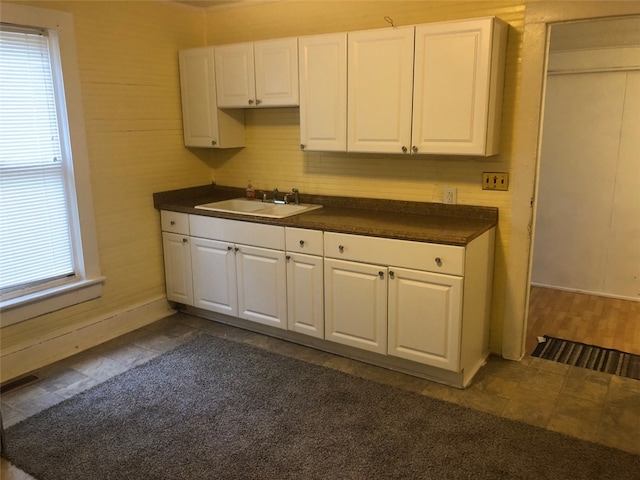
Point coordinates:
[[294, 193]]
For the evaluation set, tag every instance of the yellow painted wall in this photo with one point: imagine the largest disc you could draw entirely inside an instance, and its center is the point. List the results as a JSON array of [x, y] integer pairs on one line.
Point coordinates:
[[272, 157], [127, 56]]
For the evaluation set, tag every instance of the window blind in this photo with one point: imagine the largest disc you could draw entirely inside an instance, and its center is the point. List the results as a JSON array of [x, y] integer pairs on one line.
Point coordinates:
[[35, 237]]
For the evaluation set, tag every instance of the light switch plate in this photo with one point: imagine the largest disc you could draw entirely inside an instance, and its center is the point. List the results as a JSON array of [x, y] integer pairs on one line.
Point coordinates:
[[495, 181]]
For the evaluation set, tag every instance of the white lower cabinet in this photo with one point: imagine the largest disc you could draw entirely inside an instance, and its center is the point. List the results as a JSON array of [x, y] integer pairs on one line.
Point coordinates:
[[425, 317], [214, 276], [305, 274], [305, 294], [245, 278], [177, 268], [356, 304], [405, 313], [262, 291], [411, 303], [410, 299], [177, 257]]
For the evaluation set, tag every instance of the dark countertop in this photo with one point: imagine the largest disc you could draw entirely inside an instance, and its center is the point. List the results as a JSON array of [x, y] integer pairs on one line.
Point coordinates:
[[415, 221]]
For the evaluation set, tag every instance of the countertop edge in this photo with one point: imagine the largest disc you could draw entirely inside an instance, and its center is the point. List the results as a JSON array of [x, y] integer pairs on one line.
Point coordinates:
[[458, 224]]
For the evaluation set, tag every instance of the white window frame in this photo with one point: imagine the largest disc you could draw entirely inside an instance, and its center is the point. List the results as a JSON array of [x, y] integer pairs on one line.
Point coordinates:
[[88, 281]]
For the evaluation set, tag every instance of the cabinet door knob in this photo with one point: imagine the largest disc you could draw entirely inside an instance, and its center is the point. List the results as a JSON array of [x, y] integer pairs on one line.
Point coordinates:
[[185, 240], [392, 275], [236, 249], [213, 142], [341, 248], [172, 222], [438, 261], [302, 243], [258, 102], [404, 149], [414, 149], [288, 257], [381, 275], [229, 248], [250, 101], [302, 146]]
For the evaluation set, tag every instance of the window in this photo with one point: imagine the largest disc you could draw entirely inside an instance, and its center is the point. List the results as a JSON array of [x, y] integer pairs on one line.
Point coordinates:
[[48, 258]]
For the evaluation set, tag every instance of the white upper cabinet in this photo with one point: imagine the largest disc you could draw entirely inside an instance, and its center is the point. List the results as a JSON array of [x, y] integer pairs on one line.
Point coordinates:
[[323, 92], [235, 77], [380, 85], [276, 69], [257, 74], [204, 125], [457, 96]]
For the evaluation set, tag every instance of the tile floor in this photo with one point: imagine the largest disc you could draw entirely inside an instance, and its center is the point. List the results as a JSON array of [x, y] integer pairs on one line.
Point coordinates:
[[589, 405]]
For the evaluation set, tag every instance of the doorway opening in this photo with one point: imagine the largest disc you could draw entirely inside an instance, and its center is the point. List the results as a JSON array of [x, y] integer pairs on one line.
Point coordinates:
[[585, 280]]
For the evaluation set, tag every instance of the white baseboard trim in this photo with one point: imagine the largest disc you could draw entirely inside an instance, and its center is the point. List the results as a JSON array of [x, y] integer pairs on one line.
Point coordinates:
[[586, 292], [101, 329]]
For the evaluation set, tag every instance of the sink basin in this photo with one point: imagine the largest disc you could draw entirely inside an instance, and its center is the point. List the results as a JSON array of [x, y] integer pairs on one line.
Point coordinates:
[[242, 206]]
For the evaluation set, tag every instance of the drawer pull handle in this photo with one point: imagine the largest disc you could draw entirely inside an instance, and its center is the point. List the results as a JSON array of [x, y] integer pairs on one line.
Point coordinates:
[[438, 261], [172, 222], [302, 243], [341, 248], [381, 275]]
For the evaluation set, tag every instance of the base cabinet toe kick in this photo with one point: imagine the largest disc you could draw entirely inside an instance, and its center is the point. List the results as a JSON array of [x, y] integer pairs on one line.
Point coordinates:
[[415, 307]]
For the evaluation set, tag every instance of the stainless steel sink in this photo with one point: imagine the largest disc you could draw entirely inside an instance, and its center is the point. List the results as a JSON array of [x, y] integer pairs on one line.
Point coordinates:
[[242, 206]]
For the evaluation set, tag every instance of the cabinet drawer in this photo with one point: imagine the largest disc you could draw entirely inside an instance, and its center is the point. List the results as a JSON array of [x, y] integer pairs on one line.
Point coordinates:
[[246, 233], [174, 222], [301, 240], [400, 253]]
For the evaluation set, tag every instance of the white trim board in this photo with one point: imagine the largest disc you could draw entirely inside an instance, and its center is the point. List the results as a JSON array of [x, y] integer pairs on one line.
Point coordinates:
[[26, 358]]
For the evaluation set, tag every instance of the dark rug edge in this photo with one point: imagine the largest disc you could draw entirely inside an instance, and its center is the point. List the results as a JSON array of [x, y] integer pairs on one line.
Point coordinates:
[[542, 344]]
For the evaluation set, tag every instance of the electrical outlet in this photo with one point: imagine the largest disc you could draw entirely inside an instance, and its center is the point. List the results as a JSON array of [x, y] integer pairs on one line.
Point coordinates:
[[449, 195], [495, 181]]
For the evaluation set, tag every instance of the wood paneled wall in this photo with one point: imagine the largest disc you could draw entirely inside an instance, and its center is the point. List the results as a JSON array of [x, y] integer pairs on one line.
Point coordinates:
[[127, 56]]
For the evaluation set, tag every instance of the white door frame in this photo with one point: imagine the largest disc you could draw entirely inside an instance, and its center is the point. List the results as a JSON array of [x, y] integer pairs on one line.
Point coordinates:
[[538, 17]]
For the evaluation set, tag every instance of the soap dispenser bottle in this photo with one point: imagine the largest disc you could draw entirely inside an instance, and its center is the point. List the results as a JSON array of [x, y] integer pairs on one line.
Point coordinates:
[[251, 193]]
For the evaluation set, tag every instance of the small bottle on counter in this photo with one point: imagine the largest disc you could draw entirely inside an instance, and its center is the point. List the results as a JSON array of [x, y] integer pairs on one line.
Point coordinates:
[[251, 193]]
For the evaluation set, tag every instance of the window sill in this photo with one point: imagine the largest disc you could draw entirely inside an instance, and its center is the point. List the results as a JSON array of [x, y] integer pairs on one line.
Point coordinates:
[[39, 303]]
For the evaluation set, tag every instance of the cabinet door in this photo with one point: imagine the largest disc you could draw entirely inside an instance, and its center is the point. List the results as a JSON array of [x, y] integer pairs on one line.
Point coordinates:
[[214, 276], [276, 71], [177, 268], [380, 84], [305, 294], [203, 123], [235, 78], [425, 317], [262, 285], [323, 92], [356, 304], [458, 87], [197, 86]]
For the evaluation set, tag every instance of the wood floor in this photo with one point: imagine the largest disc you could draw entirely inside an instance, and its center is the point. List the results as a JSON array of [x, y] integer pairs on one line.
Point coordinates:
[[606, 322]]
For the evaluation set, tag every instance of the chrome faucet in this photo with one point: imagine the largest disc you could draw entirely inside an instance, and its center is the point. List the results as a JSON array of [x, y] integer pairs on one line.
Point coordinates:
[[275, 197], [291, 197], [294, 194]]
